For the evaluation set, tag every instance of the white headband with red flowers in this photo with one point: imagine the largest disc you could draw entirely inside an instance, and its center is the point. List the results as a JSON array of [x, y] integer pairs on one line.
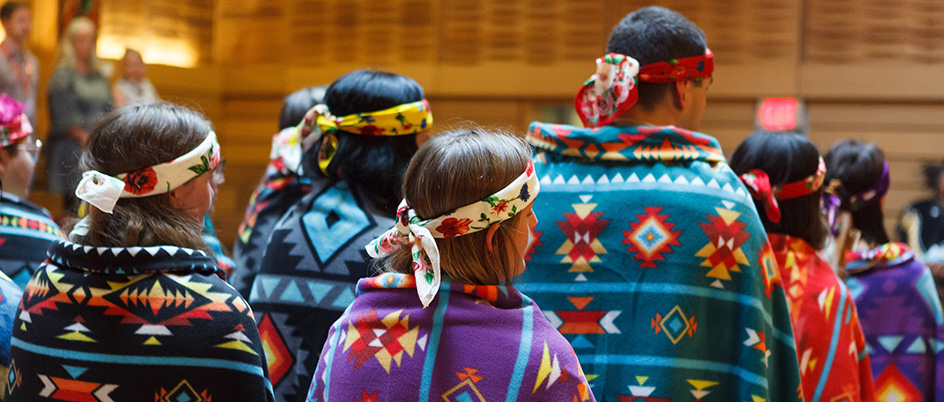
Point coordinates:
[[103, 191], [420, 234]]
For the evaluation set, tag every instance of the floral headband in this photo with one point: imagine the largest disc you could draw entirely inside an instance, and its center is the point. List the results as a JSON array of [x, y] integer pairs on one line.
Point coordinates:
[[14, 124], [612, 90], [319, 123], [421, 234], [758, 183], [832, 204], [103, 191]]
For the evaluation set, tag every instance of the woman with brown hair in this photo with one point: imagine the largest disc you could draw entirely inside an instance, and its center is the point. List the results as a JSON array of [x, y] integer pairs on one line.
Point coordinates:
[[443, 320], [133, 307]]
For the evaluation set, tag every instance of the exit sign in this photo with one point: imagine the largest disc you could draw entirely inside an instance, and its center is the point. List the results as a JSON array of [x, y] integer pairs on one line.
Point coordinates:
[[780, 115]]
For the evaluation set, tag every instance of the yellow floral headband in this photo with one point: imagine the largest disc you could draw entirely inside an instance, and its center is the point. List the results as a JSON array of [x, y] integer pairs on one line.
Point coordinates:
[[319, 123]]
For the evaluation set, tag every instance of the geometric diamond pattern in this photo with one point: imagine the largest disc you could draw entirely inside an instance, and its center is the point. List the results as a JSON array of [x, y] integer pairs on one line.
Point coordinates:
[[892, 386], [278, 357], [651, 235], [384, 339], [675, 324], [723, 252], [581, 229], [334, 219]]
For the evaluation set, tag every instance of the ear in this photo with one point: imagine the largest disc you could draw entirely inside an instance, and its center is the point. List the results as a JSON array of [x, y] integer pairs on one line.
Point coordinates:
[[680, 94], [176, 200], [490, 237]]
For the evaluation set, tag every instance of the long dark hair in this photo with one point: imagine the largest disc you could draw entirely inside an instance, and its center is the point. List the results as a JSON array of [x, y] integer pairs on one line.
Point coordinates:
[[786, 158], [858, 165], [372, 166]]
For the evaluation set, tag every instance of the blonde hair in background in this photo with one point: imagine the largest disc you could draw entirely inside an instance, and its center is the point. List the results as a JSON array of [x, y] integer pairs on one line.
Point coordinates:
[[455, 169], [65, 52]]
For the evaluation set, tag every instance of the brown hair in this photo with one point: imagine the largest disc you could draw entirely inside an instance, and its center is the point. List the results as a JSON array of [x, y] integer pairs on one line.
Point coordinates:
[[135, 137], [455, 169]]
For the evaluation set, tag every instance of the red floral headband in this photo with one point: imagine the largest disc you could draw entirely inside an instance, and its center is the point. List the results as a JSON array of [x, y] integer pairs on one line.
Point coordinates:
[[612, 90], [758, 183]]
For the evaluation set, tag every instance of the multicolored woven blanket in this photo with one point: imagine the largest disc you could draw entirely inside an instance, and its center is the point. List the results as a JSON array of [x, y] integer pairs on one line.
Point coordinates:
[[650, 258], [473, 343], [903, 322]]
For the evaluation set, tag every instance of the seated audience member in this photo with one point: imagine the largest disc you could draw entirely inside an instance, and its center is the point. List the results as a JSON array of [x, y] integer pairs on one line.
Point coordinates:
[[921, 225], [132, 307], [26, 230], [899, 309], [785, 174], [281, 187], [362, 139], [133, 86], [458, 243], [650, 257]]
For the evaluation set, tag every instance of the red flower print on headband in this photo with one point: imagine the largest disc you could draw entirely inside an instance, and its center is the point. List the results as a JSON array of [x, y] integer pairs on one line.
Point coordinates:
[[141, 181], [453, 227]]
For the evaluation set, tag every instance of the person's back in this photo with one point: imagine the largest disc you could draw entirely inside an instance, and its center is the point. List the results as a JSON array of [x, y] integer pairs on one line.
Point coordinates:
[[651, 259], [133, 307], [282, 186], [785, 175], [900, 311], [19, 68], [364, 136], [461, 232]]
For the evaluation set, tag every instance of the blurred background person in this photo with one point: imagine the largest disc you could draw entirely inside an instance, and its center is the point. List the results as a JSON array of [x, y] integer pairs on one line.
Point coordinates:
[[133, 86], [281, 187], [898, 306], [921, 225], [19, 69], [26, 230], [78, 95]]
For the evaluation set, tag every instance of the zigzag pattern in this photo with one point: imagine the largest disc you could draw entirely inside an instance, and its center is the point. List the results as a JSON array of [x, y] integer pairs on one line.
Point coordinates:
[[649, 178]]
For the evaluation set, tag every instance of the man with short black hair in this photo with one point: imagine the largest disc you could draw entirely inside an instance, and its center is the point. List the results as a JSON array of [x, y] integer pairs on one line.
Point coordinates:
[[649, 255], [19, 69]]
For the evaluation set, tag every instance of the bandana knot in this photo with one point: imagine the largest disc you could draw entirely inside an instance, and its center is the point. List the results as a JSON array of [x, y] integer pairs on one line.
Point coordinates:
[[613, 89], [421, 234]]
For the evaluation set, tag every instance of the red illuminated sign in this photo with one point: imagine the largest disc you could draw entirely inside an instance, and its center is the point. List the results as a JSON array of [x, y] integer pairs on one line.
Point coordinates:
[[777, 114]]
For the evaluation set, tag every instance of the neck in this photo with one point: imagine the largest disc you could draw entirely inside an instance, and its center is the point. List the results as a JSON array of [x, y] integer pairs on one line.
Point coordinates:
[[637, 116]]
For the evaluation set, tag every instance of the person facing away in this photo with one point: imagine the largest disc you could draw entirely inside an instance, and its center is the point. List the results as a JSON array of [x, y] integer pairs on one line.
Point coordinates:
[[443, 320], [282, 186], [26, 229], [133, 86], [899, 309], [19, 68], [133, 307], [784, 173], [79, 95], [650, 257], [358, 144]]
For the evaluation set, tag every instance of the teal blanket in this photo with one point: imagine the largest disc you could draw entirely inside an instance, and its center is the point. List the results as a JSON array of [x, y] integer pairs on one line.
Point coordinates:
[[650, 258]]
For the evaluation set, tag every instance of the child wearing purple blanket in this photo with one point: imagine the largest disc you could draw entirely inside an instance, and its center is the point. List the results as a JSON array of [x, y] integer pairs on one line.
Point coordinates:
[[442, 322]]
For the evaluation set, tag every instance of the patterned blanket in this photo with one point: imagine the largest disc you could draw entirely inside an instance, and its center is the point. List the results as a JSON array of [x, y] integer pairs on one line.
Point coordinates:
[[134, 324], [903, 322], [275, 195], [26, 232], [9, 298], [473, 343], [650, 258], [834, 364], [307, 278]]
